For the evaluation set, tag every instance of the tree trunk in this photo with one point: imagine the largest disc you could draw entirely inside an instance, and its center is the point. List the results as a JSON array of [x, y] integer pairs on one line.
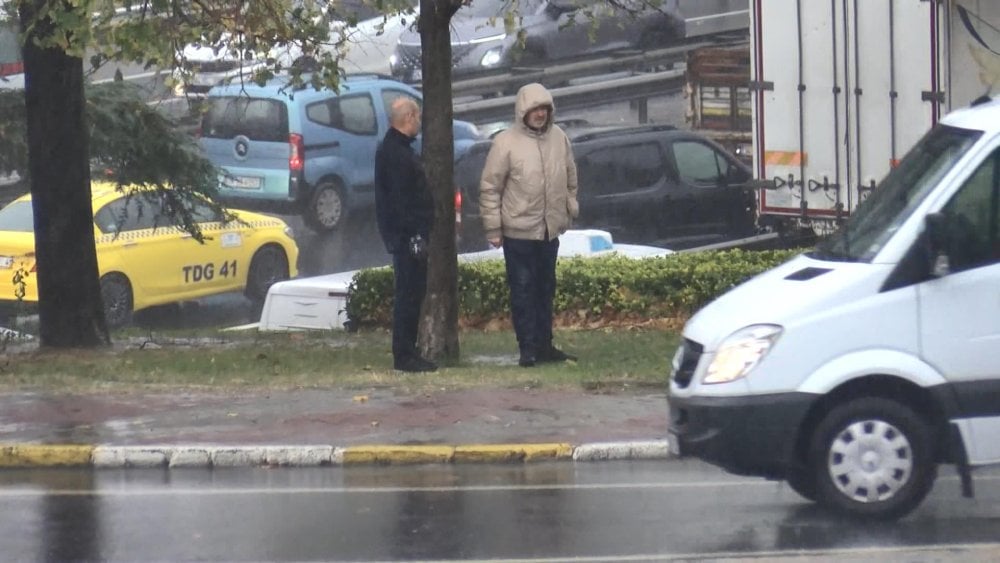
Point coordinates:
[[439, 323], [69, 296]]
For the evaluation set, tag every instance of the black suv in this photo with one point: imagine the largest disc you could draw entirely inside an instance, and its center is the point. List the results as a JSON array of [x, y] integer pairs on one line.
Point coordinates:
[[648, 184]]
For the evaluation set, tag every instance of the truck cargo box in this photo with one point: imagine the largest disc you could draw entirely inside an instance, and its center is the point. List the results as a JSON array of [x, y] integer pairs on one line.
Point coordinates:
[[843, 88]]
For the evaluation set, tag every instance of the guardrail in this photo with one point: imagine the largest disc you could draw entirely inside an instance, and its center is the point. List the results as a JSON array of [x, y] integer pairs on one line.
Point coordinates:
[[639, 87], [628, 61]]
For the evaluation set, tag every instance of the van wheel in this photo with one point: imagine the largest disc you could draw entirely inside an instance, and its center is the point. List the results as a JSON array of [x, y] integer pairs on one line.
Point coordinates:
[[269, 266], [116, 294], [871, 457], [803, 481], [325, 210]]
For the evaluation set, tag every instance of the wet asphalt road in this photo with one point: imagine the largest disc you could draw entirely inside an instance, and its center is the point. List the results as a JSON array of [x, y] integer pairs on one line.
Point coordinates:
[[607, 511]]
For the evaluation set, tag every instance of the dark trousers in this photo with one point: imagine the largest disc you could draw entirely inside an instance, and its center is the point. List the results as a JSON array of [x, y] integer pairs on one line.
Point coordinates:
[[531, 275], [410, 276]]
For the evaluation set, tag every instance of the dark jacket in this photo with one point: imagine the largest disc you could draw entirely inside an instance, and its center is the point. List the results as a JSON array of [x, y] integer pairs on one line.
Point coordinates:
[[403, 204]]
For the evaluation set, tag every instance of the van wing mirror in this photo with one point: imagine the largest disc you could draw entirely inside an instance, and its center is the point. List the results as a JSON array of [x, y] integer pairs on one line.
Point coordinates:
[[936, 232]]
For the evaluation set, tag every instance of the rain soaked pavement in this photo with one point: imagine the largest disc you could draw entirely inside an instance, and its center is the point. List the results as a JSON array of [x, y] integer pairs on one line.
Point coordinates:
[[608, 511]]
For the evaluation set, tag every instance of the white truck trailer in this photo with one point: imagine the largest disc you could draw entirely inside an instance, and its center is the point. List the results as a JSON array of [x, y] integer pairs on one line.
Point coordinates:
[[843, 88]]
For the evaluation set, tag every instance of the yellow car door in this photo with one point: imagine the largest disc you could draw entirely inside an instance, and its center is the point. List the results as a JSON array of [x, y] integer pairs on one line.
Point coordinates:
[[161, 262]]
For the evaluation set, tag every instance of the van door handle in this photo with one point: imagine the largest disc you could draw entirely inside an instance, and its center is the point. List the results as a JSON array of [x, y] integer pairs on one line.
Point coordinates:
[[330, 145]]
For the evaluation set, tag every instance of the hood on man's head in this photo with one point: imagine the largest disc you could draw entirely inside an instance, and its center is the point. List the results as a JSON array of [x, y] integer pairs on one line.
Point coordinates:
[[529, 97]]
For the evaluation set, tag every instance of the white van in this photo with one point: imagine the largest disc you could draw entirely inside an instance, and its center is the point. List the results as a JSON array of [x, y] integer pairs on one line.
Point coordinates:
[[853, 370]]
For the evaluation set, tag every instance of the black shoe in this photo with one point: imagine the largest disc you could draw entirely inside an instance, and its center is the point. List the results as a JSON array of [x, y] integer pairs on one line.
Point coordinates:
[[415, 364], [553, 354], [526, 361]]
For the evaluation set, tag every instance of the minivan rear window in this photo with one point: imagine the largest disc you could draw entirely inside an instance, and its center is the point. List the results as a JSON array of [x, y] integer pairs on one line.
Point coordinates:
[[257, 119]]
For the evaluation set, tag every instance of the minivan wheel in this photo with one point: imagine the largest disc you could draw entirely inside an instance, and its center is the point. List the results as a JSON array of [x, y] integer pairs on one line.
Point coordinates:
[[116, 294], [325, 211], [872, 458], [269, 266], [803, 481]]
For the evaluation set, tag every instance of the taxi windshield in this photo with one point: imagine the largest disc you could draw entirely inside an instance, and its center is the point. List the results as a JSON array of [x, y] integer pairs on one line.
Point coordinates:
[[17, 217], [893, 201]]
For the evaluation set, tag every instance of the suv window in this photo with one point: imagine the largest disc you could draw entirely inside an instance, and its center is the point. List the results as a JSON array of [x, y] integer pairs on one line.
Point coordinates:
[[255, 118], [620, 169], [354, 114], [698, 163]]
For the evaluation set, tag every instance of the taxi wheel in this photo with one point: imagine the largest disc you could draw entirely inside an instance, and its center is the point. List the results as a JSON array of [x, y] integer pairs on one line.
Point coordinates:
[[116, 293], [873, 458], [326, 208], [269, 265]]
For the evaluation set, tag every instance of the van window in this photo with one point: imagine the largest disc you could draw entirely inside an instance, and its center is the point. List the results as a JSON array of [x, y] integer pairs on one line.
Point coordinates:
[[257, 119], [698, 163], [389, 96], [973, 218], [621, 169], [354, 114]]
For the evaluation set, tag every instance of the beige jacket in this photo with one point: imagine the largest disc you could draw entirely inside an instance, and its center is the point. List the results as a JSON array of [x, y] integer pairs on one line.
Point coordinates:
[[528, 186]]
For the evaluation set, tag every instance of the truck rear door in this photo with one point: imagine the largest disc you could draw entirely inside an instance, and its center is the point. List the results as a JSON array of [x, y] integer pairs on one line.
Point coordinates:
[[843, 89]]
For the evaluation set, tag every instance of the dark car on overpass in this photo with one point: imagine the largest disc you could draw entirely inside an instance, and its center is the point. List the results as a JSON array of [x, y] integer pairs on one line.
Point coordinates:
[[645, 184]]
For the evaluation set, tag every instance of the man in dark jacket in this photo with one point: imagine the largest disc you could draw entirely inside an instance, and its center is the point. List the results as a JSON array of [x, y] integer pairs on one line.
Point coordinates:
[[405, 212]]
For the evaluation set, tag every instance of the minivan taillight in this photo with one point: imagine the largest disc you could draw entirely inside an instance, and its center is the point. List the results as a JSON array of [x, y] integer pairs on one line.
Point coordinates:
[[458, 205], [298, 152]]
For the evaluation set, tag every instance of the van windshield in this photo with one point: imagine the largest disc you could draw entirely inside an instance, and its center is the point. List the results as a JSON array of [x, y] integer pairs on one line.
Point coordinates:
[[893, 201]]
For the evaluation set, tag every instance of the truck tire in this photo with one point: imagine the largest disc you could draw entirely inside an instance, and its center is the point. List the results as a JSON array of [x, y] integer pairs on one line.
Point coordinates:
[[872, 457], [324, 211]]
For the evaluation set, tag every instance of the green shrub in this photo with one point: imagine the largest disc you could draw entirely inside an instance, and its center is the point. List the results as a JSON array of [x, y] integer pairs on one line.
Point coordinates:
[[605, 289]]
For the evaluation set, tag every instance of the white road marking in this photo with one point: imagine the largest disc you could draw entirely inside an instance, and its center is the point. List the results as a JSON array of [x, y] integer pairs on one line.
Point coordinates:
[[865, 552]]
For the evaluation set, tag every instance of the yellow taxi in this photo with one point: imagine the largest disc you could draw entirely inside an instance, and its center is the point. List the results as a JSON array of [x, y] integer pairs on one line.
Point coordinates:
[[144, 259]]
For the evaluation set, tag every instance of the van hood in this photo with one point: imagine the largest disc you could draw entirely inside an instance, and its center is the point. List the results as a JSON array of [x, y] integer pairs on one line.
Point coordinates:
[[794, 293], [464, 29]]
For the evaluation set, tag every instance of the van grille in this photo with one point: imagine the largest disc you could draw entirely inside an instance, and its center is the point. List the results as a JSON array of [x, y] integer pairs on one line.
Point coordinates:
[[690, 354]]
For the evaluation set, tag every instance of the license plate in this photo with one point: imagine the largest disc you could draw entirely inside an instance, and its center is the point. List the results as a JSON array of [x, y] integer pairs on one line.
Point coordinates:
[[242, 182], [6, 262], [673, 444]]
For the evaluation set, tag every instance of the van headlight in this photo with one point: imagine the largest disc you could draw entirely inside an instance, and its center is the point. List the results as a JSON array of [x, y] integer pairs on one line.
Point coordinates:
[[740, 352], [492, 57]]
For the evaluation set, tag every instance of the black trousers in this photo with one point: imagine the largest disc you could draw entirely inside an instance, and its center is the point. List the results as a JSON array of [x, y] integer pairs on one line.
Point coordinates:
[[410, 276], [531, 275]]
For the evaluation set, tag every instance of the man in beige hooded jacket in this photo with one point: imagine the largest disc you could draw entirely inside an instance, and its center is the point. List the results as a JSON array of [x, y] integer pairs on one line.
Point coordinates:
[[527, 199]]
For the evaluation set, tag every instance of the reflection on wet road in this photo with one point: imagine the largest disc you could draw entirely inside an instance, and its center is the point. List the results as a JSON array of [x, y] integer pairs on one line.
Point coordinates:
[[609, 511]]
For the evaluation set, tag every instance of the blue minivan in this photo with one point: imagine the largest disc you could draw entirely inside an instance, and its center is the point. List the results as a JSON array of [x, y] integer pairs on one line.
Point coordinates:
[[304, 151]]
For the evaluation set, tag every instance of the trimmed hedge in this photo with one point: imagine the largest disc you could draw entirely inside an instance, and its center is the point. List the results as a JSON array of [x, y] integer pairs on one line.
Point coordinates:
[[609, 288]]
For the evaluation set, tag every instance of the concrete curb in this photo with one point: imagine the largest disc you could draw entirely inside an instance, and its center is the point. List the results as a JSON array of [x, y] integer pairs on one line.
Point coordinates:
[[210, 456]]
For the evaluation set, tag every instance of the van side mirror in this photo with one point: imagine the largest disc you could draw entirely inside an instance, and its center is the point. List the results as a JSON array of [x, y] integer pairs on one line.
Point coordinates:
[[936, 229]]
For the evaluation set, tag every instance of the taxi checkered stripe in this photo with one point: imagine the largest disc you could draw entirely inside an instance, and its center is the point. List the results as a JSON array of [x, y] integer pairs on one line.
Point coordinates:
[[140, 234]]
